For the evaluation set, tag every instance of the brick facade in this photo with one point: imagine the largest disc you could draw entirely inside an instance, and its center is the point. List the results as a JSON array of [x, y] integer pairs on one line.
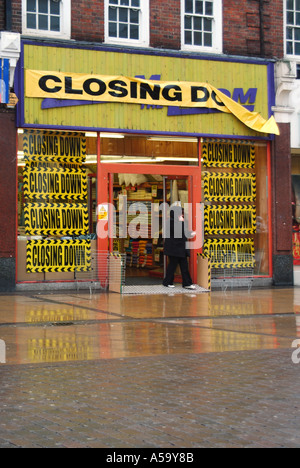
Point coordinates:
[[7, 199], [250, 31], [88, 20], [243, 27]]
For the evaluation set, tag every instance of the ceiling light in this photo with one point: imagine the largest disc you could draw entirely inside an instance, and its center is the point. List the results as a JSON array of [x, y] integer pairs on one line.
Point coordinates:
[[112, 135], [174, 139]]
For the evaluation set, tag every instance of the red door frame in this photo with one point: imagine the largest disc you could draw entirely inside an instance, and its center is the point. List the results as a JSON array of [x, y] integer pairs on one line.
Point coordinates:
[[104, 190]]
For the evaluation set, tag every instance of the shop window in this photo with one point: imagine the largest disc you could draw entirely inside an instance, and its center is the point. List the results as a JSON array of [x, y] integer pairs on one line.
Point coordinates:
[[292, 27], [127, 22], [51, 18], [56, 205], [119, 148], [202, 25], [235, 193]]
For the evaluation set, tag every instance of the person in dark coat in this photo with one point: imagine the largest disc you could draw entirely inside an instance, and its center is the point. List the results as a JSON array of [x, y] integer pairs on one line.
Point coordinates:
[[175, 249]]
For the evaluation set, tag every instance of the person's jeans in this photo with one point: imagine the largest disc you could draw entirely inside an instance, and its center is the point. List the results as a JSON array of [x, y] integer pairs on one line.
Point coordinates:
[[184, 268]]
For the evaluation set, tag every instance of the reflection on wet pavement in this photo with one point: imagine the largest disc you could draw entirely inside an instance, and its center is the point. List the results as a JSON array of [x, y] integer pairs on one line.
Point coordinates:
[[37, 328]]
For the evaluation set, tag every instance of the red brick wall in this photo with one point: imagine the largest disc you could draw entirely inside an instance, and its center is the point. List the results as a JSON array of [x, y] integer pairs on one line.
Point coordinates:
[[88, 20], [16, 15], [7, 184], [241, 27], [165, 24]]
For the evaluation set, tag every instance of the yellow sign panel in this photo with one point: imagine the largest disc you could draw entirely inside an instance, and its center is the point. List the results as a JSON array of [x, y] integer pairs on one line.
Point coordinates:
[[102, 212], [54, 146], [247, 82], [128, 90], [49, 184], [220, 220], [224, 154], [229, 187], [230, 253], [58, 256], [56, 219]]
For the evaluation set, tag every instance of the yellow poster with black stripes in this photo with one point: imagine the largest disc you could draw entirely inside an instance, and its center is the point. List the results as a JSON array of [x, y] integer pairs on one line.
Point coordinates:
[[230, 253], [65, 147], [58, 256], [234, 219], [228, 154], [61, 219], [53, 184], [229, 187]]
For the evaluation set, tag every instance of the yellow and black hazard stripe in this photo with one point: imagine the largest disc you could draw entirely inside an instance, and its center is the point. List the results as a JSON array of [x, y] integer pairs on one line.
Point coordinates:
[[230, 253], [54, 144], [38, 165], [228, 154], [56, 160], [228, 187], [207, 257], [53, 184], [61, 219], [57, 256], [225, 220]]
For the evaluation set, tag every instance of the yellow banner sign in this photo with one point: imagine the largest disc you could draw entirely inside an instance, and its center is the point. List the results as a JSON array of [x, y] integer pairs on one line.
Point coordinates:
[[222, 219], [224, 186], [222, 154], [122, 89], [56, 219], [39, 145], [230, 253], [58, 256], [49, 184]]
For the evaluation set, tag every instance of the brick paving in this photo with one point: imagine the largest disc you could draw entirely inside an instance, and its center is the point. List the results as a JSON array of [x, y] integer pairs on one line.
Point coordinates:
[[229, 399]]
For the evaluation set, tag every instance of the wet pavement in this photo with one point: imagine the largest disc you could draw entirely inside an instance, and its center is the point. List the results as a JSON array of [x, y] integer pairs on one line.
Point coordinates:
[[172, 371]]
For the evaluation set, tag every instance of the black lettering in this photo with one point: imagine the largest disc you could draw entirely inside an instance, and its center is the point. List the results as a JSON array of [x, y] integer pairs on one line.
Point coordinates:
[[44, 86], [195, 90], [69, 86], [214, 97], [87, 87], [154, 93], [177, 95], [118, 85], [133, 90]]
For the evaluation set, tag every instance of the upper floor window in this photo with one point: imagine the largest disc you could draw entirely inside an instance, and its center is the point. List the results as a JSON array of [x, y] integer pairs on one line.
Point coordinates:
[[292, 15], [127, 22], [202, 25], [51, 18]]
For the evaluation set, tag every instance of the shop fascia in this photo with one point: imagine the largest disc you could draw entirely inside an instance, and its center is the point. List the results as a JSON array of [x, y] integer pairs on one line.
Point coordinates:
[[128, 90]]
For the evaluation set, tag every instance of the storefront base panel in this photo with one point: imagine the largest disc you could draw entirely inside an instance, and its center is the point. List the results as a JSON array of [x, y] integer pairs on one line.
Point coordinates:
[[283, 270], [96, 288], [245, 283], [86, 286], [7, 274]]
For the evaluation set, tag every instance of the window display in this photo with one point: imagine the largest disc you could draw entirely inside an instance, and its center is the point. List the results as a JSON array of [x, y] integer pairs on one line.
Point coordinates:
[[54, 233]]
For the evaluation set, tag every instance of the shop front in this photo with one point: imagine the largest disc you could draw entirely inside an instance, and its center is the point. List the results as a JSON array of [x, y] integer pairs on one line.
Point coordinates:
[[109, 139]]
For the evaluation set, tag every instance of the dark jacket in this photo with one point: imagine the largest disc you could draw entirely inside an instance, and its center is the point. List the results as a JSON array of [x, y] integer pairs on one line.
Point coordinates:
[[175, 238]]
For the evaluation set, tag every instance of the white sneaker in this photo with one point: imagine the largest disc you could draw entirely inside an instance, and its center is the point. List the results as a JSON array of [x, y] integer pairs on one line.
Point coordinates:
[[192, 286], [170, 286]]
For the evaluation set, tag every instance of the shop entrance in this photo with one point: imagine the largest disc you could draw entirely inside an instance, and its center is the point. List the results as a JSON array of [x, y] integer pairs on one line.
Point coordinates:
[[141, 204], [138, 209]]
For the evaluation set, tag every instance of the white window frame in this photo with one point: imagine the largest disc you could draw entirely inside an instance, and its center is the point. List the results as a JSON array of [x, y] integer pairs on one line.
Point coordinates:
[[217, 30], [144, 39], [295, 57], [65, 23]]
